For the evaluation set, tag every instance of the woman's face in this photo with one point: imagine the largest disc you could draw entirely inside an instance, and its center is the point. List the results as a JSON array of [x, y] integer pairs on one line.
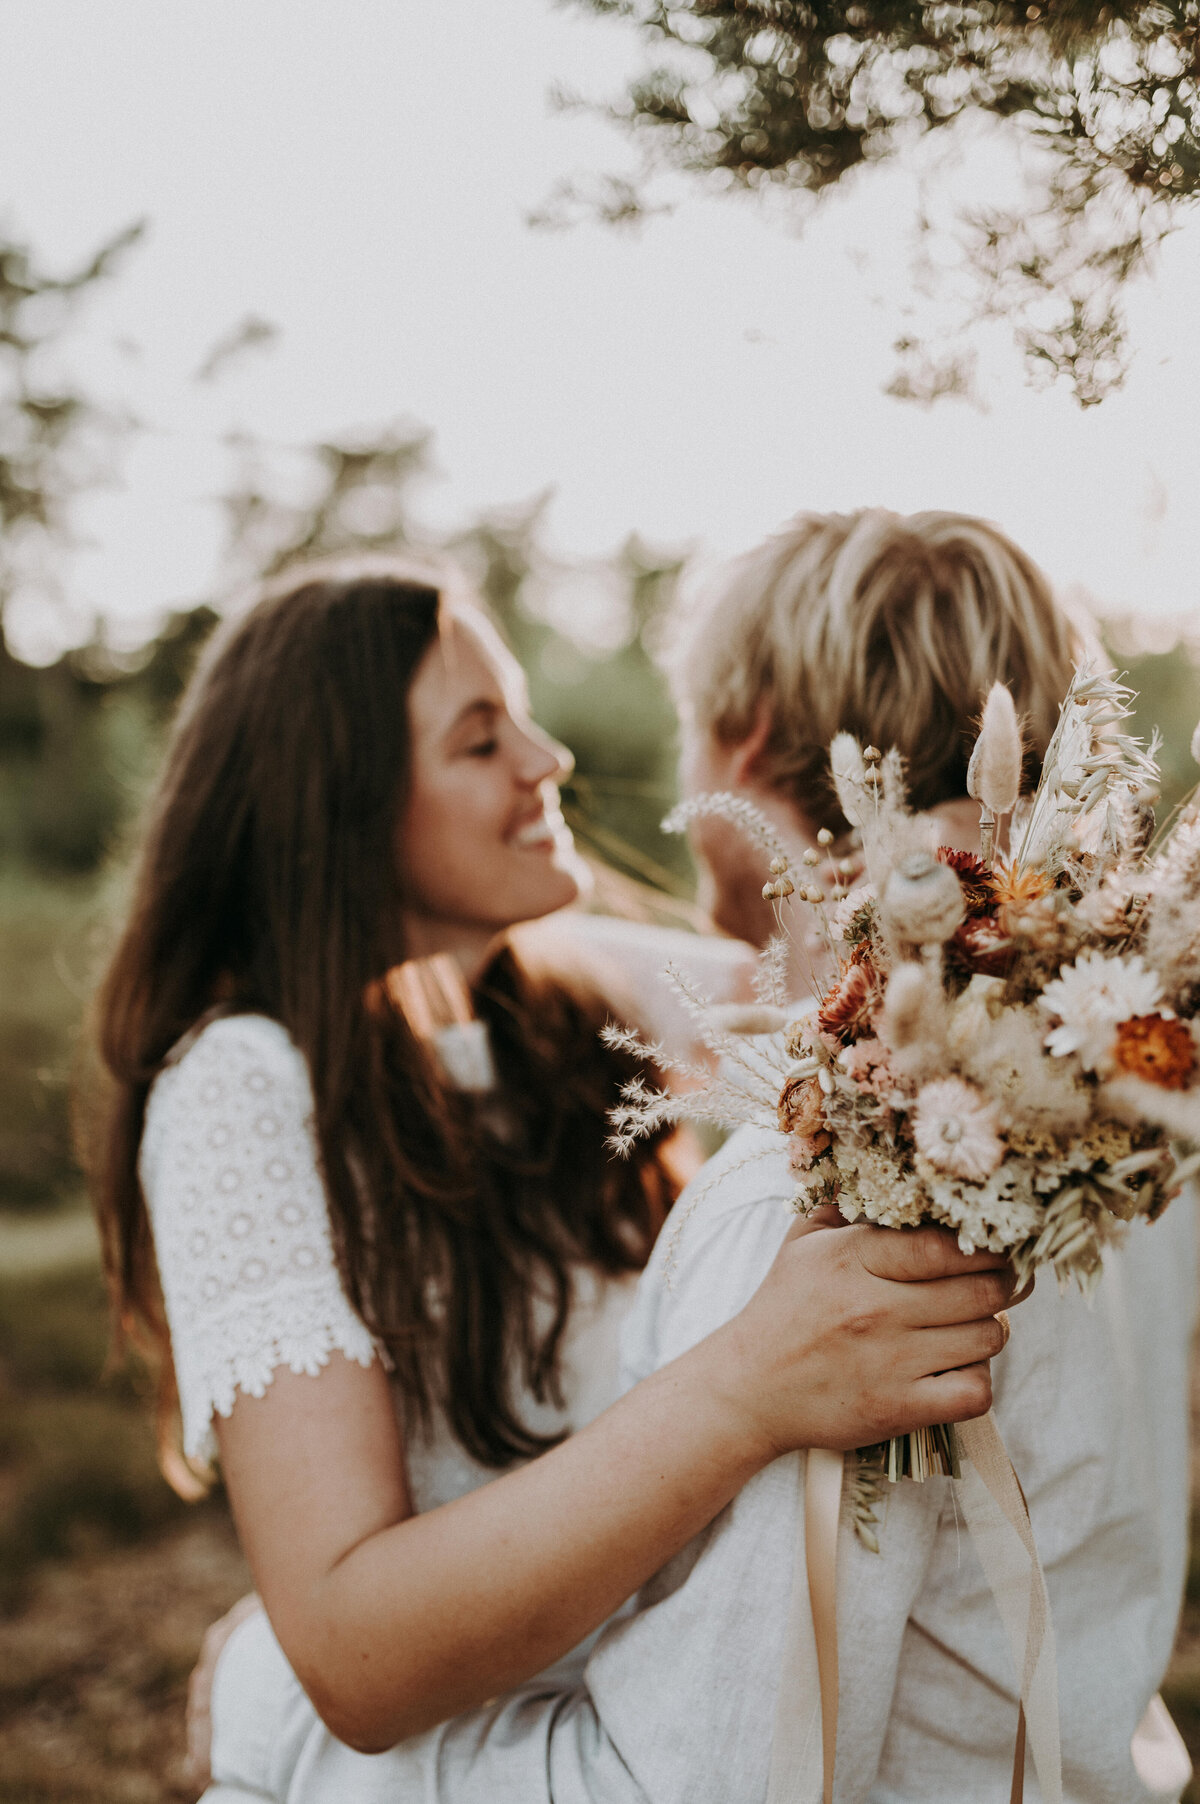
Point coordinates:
[[483, 842]]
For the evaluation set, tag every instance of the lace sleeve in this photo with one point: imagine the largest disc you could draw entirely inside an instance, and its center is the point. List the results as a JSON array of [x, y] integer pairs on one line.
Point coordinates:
[[241, 1228]]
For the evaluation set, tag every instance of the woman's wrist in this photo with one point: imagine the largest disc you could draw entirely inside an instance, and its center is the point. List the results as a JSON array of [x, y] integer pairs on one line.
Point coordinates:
[[722, 1381]]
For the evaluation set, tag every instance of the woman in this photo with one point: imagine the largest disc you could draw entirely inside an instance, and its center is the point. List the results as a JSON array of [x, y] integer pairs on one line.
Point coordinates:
[[378, 1291]]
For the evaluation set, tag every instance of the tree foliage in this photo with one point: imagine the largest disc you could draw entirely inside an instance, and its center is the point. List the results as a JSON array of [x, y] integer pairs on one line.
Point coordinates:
[[797, 94], [53, 437]]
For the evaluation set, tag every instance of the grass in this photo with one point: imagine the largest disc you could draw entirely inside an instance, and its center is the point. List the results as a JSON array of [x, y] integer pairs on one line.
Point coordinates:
[[49, 930], [107, 1581]]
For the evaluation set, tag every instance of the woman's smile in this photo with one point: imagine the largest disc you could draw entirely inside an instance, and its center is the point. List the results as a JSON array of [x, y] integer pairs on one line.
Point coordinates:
[[541, 832]]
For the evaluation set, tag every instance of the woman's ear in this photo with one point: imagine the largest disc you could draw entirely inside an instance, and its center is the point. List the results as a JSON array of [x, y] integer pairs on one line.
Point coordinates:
[[747, 757]]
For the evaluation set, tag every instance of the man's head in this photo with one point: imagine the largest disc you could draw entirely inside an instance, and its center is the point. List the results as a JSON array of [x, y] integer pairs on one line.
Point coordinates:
[[892, 628]]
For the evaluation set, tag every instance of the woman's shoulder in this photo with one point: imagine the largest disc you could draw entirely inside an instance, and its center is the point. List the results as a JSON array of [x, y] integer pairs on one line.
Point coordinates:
[[232, 1077], [236, 1040], [226, 1053]]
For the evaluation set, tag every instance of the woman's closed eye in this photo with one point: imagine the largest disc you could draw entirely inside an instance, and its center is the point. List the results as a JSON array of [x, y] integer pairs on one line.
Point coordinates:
[[484, 748]]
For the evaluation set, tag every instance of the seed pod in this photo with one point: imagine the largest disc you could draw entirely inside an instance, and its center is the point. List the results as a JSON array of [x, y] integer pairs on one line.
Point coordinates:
[[923, 901]]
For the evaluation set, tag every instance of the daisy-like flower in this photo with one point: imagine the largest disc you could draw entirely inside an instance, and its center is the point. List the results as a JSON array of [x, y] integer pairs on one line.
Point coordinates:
[[954, 1127], [1091, 998]]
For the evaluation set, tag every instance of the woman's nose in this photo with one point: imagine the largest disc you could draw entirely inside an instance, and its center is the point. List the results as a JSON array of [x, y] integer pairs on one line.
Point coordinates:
[[544, 758]]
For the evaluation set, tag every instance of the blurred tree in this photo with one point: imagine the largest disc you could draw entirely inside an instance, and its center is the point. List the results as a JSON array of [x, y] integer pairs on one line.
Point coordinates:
[[52, 436], [796, 94]]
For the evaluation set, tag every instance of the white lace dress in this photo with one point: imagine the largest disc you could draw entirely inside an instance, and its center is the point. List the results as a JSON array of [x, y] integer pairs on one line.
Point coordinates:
[[241, 1232]]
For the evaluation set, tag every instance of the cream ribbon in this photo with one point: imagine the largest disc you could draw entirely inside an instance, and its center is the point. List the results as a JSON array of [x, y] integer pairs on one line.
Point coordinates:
[[997, 1519]]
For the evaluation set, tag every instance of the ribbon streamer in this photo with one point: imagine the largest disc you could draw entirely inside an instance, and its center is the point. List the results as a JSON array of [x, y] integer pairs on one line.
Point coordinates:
[[822, 1508], [997, 1519]]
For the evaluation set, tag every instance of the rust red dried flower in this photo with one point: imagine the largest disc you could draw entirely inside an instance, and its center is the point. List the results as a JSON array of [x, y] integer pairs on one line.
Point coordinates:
[[976, 880], [980, 949], [848, 1007], [1157, 1049]]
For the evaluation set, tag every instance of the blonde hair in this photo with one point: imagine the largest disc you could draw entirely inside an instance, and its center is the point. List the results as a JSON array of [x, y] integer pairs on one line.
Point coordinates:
[[892, 628]]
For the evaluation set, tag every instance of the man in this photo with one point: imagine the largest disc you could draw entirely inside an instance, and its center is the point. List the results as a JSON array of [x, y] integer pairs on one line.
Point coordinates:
[[894, 630]]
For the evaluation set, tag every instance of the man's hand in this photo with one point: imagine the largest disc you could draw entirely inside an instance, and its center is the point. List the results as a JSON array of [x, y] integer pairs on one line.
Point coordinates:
[[859, 1333], [199, 1705]]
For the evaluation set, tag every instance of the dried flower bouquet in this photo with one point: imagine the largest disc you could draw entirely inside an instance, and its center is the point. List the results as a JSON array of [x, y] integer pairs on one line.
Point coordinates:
[[1006, 1043]]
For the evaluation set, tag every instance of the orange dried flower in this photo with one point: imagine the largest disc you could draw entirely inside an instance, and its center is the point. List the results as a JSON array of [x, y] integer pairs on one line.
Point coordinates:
[[801, 1108], [847, 1009], [1156, 1048], [802, 1116], [1019, 883], [1018, 891]]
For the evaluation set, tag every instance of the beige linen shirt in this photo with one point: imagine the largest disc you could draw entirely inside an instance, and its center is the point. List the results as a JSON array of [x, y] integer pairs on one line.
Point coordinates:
[[679, 1699]]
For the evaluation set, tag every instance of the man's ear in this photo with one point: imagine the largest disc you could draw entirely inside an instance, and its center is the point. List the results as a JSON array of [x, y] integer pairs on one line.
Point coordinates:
[[748, 756]]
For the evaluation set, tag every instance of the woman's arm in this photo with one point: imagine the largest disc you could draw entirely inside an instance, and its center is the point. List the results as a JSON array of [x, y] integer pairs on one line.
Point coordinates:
[[394, 1622]]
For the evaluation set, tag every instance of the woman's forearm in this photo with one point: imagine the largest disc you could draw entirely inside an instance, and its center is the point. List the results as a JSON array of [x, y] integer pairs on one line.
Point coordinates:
[[441, 1612], [394, 1622]]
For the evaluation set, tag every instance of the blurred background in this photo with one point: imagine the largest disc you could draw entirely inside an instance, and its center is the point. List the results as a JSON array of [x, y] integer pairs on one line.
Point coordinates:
[[275, 281]]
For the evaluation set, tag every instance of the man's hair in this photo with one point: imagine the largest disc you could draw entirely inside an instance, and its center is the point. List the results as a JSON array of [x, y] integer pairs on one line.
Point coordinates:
[[889, 627]]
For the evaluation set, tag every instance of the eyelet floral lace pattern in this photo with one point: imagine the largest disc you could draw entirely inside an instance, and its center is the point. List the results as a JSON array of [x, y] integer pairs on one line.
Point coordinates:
[[241, 1228]]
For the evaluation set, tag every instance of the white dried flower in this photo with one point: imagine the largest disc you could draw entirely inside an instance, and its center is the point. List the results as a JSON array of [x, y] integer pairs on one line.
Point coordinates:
[[850, 905], [1091, 998], [723, 805], [906, 1005], [923, 901], [849, 778], [1196, 743], [954, 1127], [994, 773], [1090, 758]]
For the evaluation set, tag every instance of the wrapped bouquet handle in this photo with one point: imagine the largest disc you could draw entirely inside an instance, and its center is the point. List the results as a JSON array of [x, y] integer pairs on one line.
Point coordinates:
[[997, 1519]]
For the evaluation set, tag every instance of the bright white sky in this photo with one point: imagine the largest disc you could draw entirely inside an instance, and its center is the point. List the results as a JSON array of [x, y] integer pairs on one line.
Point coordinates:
[[359, 175]]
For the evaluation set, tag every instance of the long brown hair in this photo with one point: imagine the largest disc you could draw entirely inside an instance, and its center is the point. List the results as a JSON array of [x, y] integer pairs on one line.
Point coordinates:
[[268, 881]]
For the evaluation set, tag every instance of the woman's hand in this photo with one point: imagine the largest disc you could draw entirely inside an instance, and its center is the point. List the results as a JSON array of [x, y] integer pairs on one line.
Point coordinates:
[[859, 1333]]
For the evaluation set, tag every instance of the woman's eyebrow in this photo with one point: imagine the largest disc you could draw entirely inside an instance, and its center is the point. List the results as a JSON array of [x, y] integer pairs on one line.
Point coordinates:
[[483, 707]]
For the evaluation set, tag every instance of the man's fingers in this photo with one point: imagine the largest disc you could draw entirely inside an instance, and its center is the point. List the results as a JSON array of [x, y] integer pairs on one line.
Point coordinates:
[[827, 1216], [957, 1396], [911, 1255], [943, 1302], [970, 1343]]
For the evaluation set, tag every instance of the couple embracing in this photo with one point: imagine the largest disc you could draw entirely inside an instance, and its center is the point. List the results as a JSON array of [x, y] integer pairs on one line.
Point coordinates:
[[523, 1523]]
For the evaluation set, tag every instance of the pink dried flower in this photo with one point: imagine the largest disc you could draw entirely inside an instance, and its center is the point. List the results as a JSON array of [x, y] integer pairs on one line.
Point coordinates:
[[954, 1127], [868, 1065]]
